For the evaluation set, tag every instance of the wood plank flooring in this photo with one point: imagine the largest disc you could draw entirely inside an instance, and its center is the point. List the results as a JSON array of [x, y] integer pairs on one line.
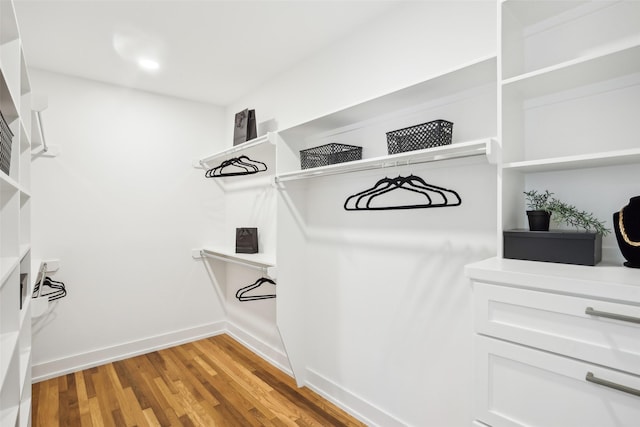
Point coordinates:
[[211, 382]]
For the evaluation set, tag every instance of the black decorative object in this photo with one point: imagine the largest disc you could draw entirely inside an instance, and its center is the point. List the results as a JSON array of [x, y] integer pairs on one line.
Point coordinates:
[[425, 135], [241, 294], [626, 224], [559, 246], [329, 154], [539, 220], [6, 139], [236, 166], [433, 196], [246, 240], [245, 126]]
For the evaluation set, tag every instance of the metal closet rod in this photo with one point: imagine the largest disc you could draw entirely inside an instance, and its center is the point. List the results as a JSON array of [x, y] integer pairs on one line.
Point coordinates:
[[44, 142]]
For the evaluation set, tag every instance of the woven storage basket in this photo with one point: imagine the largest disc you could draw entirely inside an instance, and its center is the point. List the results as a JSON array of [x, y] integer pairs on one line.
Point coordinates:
[[329, 154], [6, 138], [425, 135]]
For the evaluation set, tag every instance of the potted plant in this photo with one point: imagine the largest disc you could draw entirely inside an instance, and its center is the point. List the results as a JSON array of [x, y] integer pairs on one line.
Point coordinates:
[[582, 246], [539, 213], [544, 205]]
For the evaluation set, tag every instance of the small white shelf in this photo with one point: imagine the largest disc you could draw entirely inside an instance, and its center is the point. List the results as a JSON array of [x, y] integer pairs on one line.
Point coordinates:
[[604, 65], [541, 11], [8, 184], [609, 158], [259, 261], [254, 143], [8, 344], [480, 147], [7, 265]]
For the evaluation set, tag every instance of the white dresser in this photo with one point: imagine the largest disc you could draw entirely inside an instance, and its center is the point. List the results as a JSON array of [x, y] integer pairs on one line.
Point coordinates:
[[556, 345]]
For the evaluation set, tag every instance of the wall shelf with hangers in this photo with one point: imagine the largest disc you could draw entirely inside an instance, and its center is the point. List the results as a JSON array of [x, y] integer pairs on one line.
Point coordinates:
[[487, 147], [260, 141], [259, 261]]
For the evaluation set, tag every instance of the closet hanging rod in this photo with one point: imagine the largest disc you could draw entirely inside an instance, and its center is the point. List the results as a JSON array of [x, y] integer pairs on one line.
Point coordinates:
[[265, 268], [486, 147]]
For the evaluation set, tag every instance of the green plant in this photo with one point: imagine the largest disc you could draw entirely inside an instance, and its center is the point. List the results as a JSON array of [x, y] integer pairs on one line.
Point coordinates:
[[538, 202], [562, 212]]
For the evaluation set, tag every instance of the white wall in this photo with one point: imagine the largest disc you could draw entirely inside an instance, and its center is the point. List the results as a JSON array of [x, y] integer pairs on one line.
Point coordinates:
[[417, 40], [121, 207], [388, 317]]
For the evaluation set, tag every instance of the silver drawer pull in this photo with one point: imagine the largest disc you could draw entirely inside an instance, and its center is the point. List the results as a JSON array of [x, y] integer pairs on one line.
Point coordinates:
[[592, 378], [624, 318]]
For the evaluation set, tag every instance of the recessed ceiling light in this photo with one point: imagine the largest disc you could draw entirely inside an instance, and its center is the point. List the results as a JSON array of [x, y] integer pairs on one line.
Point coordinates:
[[148, 64]]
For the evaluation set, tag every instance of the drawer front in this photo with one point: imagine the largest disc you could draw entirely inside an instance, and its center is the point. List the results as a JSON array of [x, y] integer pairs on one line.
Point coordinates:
[[561, 324], [520, 386]]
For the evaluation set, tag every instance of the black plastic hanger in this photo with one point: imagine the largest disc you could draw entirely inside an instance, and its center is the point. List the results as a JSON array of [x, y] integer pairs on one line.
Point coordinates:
[[242, 291], [435, 196], [50, 288], [242, 165]]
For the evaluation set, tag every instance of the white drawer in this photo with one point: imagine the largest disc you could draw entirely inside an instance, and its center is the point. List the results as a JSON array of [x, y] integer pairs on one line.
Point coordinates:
[[520, 386], [560, 324]]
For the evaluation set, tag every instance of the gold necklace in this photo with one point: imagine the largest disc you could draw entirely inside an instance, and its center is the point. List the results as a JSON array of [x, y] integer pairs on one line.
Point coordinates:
[[624, 233]]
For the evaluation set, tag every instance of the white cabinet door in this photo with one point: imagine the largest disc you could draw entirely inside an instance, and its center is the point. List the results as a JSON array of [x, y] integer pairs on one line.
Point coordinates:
[[520, 386], [561, 324]]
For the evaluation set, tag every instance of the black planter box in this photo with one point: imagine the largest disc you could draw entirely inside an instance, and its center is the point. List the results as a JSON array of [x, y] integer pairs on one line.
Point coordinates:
[[562, 246]]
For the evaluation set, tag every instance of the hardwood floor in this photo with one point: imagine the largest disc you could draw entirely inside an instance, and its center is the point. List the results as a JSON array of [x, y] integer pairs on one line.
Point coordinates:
[[211, 382]]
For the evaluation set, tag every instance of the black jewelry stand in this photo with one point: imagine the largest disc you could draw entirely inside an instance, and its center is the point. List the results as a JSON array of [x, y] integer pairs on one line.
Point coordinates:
[[631, 225]]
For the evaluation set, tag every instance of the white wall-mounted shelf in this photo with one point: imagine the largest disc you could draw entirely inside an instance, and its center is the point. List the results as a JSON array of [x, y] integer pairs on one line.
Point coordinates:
[[480, 147], [608, 158], [254, 143], [259, 261], [608, 64], [7, 265]]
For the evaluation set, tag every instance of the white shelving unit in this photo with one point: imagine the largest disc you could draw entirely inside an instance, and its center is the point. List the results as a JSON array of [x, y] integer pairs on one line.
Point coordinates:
[[568, 102], [15, 235]]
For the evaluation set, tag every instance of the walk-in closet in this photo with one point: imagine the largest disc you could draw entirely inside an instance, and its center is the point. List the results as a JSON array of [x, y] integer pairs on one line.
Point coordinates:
[[224, 213]]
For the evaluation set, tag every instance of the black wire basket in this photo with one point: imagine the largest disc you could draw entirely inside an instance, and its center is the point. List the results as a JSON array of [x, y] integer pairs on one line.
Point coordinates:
[[6, 138], [329, 154], [425, 135]]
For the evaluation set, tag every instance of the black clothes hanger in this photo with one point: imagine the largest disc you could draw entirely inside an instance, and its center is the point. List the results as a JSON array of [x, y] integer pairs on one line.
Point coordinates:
[[434, 196], [50, 288], [242, 291], [242, 165]]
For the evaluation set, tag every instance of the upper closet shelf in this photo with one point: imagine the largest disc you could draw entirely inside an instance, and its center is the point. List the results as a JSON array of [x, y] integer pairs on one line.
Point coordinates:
[[472, 75], [257, 142], [610, 158], [487, 146], [598, 66], [259, 261]]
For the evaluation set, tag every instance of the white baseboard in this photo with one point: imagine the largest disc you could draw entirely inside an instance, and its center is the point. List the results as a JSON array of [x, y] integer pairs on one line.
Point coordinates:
[[55, 368], [269, 353], [354, 405]]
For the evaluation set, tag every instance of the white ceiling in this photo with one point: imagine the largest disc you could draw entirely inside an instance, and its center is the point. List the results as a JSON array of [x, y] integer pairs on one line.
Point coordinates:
[[209, 50]]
